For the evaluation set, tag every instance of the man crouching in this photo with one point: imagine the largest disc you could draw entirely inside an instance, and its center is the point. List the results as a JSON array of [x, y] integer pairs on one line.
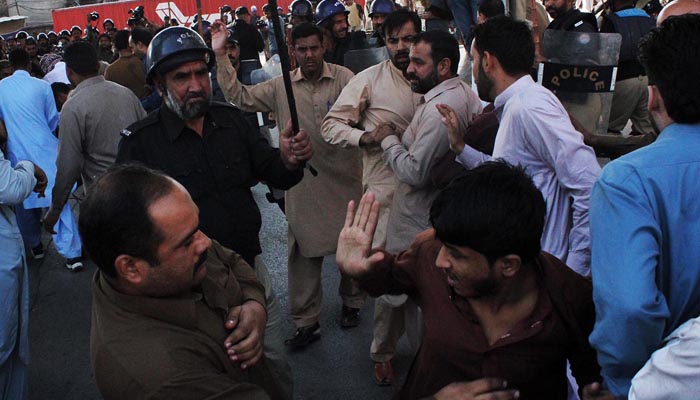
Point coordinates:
[[170, 306], [493, 304]]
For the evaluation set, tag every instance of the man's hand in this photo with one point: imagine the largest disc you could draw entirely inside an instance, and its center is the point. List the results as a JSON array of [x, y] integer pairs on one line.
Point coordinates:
[[50, 220], [382, 131], [295, 149], [219, 35], [594, 391], [355, 241], [481, 389], [367, 139], [41, 181], [454, 136], [247, 325]]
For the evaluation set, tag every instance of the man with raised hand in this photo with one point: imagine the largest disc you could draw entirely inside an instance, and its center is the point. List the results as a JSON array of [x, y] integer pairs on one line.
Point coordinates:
[[314, 206]]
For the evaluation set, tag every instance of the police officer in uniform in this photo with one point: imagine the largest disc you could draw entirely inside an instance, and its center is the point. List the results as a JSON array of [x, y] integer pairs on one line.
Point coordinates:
[[212, 151], [567, 18], [332, 16], [300, 11], [630, 96], [377, 12]]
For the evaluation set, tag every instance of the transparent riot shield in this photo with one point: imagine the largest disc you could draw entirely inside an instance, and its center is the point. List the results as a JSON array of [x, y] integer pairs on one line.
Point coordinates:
[[360, 60], [271, 69], [580, 69]]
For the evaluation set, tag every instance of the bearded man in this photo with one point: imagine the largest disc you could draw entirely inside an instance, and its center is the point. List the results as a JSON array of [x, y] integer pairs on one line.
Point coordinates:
[[211, 150]]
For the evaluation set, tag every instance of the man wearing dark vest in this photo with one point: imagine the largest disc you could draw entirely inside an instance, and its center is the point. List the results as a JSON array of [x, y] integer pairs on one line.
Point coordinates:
[[567, 18], [630, 98]]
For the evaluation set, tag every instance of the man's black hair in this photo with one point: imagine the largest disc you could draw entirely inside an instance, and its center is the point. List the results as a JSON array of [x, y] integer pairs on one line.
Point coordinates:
[[114, 217], [141, 35], [306, 29], [510, 41], [121, 40], [494, 209], [19, 59], [670, 54], [492, 8], [442, 45], [81, 57], [397, 19]]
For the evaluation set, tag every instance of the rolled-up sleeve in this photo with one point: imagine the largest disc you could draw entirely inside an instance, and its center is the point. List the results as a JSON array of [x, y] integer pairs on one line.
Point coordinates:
[[15, 183]]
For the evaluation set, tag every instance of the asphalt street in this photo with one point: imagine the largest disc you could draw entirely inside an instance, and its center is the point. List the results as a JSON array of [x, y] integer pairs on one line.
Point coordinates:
[[335, 367]]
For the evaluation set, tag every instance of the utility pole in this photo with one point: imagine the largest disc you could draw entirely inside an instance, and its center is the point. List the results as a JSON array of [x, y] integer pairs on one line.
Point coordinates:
[[4, 11]]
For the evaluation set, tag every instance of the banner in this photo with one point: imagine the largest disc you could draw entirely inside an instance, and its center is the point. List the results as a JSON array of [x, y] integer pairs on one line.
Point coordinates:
[[154, 10]]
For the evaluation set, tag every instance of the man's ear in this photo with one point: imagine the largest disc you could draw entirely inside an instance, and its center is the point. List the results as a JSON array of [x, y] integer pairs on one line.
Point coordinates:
[[443, 67], [130, 269], [488, 62], [655, 102], [509, 265], [159, 85]]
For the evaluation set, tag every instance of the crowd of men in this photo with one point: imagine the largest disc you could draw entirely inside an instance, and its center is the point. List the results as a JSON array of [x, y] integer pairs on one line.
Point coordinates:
[[478, 215]]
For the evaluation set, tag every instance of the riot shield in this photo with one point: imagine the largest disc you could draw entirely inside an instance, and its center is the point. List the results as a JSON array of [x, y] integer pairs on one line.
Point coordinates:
[[359, 60], [580, 69], [271, 69]]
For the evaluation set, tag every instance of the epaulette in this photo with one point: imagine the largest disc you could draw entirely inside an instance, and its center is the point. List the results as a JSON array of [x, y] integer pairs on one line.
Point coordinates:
[[150, 119]]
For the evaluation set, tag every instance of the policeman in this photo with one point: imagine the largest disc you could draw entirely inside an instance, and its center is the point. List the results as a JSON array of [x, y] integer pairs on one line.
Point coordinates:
[[212, 151], [301, 11], [567, 18], [377, 12], [332, 16], [630, 96]]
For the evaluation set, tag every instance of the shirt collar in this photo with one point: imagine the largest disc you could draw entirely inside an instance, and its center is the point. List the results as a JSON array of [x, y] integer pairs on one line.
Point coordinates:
[[326, 73], [442, 87], [21, 72], [216, 116], [177, 311], [395, 70], [87, 83], [501, 100]]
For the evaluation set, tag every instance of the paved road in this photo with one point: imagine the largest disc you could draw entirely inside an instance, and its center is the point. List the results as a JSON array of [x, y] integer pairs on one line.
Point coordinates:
[[336, 367]]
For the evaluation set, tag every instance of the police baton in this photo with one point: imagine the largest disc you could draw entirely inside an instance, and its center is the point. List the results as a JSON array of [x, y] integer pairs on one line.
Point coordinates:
[[286, 66]]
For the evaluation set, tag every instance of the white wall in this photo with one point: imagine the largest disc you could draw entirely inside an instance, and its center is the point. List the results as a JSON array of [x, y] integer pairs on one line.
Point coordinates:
[[38, 11]]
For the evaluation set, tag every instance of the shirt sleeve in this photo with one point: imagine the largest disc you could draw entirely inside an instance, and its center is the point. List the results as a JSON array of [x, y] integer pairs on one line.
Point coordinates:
[[15, 183], [267, 162], [631, 311], [251, 288], [470, 157], [129, 151], [397, 274], [253, 98], [70, 159], [556, 142], [340, 126], [412, 165], [671, 370]]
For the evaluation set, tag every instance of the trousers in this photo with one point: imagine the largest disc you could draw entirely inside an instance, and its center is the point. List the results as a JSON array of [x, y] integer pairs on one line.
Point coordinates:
[[306, 289]]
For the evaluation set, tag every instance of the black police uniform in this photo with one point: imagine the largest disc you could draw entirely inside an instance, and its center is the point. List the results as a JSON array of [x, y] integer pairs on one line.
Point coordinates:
[[353, 41], [575, 21], [217, 169]]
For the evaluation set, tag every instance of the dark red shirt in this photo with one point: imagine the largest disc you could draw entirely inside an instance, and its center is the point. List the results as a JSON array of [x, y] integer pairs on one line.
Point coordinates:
[[531, 357]]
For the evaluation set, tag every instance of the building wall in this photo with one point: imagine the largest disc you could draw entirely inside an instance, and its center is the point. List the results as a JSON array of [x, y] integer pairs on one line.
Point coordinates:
[[37, 11]]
